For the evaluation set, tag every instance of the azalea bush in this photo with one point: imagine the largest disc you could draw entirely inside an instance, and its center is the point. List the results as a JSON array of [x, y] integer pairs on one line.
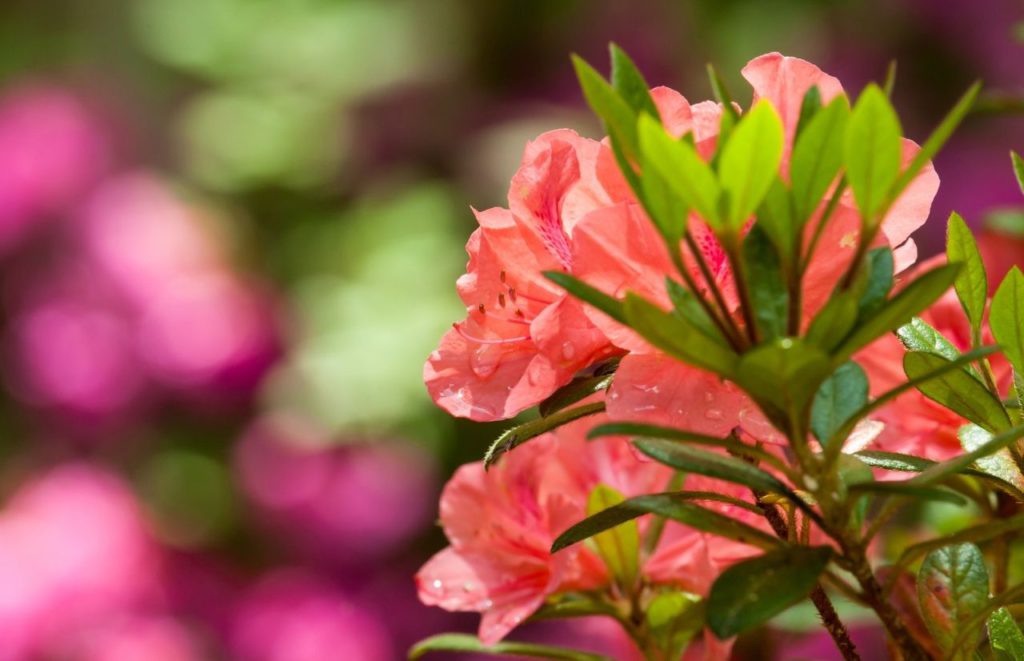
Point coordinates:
[[746, 391]]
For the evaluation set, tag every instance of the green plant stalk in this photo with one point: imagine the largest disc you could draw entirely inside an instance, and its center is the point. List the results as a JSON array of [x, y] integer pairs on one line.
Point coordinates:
[[716, 293], [739, 275], [724, 322]]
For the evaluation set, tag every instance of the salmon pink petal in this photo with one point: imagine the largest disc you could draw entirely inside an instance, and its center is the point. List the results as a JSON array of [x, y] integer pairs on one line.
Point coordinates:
[[568, 338], [520, 380], [911, 209], [615, 250], [674, 109], [656, 389], [784, 81]]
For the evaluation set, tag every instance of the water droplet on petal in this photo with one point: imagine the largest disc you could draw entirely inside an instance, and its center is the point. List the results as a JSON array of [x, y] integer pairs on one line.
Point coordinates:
[[467, 587], [437, 584], [568, 350], [713, 414]]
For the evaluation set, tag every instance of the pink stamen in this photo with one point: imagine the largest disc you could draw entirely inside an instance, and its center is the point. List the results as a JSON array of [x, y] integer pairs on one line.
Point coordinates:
[[510, 320], [477, 340]]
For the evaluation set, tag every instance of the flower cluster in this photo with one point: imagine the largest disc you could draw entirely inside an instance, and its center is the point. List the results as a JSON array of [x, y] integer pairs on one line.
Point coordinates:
[[677, 294]]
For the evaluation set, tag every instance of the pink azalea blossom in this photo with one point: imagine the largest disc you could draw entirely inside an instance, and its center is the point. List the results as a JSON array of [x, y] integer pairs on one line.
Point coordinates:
[[501, 524], [617, 249], [523, 337]]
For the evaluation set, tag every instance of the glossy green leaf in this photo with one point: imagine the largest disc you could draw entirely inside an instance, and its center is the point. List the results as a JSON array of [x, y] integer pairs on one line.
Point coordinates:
[[918, 335], [936, 140], [945, 468], [838, 399], [750, 162], [691, 460], [818, 157], [907, 490], [769, 295], [1018, 169], [610, 305], [686, 306], [978, 534], [958, 391], [1006, 317], [785, 373], [872, 150], [677, 337], [810, 106], [577, 390], [1000, 464], [630, 84], [878, 279], [520, 434], [776, 217], [679, 507], [1005, 636], [618, 117], [751, 592], [678, 163], [619, 547], [971, 282], [466, 644], [898, 310], [674, 618], [664, 205], [905, 463], [952, 585]]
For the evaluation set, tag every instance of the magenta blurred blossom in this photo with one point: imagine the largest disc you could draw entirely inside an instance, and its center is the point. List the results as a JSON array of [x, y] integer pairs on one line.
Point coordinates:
[[291, 615], [129, 638], [74, 550], [349, 502], [199, 323], [51, 150]]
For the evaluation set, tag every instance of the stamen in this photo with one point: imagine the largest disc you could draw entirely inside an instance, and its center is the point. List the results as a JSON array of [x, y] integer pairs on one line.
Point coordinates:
[[477, 340], [509, 320], [512, 294], [501, 300], [501, 276], [482, 308]]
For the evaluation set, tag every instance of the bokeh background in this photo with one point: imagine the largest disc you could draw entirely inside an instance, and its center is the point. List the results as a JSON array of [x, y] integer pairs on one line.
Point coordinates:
[[229, 234]]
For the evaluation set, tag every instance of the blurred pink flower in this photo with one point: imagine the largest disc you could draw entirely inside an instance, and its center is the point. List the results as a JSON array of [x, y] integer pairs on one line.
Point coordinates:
[[74, 551], [129, 638], [293, 616], [523, 337], [50, 151], [199, 323], [331, 501]]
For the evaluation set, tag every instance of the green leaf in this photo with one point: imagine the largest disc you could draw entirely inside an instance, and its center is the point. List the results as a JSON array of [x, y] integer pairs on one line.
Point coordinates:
[[664, 205], [971, 283], [630, 84], [1018, 169], [909, 490], [976, 534], [818, 156], [833, 322], [872, 151], [1005, 636], [766, 284], [958, 391], [809, 108], [837, 400], [906, 463], [577, 390], [750, 162], [689, 308], [673, 619], [1006, 317], [619, 547], [952, 585], [878, 281], [709, 464], [945, 468], [1000, 464], [675, 506], [751, 592], [936, 140], [786, 373], [678, 163], [618, 117], [677, 337], [464, 643], [777, 218], [520, 434], [918, 335], [610, 305], [898, 310]]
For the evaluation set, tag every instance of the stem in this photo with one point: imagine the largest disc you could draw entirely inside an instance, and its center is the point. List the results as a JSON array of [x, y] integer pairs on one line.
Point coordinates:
[[822, 603], [898, 633], [739, 276], [710, 280], [723, 322]]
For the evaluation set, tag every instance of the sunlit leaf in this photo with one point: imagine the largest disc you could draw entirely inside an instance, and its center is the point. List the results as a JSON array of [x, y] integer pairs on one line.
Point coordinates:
[[679, 165], [971, 282], [872, 150], [958, 391], [952, 585], [1006, 317], [839, 397], [750, 162], [818, 156], [630, 84], [619, 547], [1005, 636]]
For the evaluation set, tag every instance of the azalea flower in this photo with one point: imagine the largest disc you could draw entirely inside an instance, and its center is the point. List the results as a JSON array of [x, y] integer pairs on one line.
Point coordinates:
[[618, 249], [501, 524], [523, 337]]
